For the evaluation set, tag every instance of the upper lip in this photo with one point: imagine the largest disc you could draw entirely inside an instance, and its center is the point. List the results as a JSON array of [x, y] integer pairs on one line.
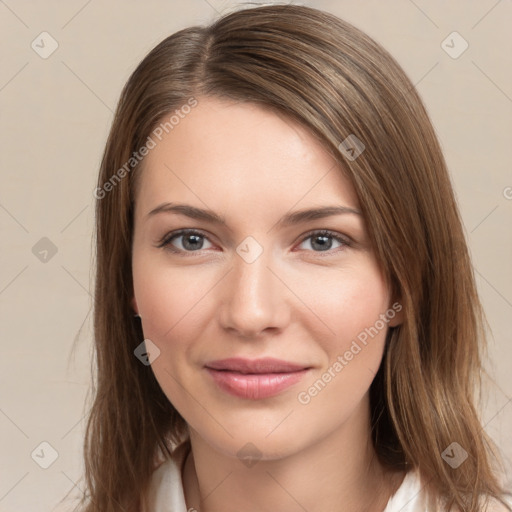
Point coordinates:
[[263, 365]]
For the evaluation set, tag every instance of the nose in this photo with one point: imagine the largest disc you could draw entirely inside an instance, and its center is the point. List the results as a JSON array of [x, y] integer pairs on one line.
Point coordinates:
[[256, 299]]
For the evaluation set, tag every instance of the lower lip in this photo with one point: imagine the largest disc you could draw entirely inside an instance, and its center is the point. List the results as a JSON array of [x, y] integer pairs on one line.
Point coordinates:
[[255, 386]]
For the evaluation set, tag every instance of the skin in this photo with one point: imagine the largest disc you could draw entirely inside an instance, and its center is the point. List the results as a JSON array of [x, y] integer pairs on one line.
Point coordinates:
[[295, 302]]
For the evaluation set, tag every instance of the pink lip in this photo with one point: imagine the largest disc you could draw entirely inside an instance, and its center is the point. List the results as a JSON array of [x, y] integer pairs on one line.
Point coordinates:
[[255, 379]]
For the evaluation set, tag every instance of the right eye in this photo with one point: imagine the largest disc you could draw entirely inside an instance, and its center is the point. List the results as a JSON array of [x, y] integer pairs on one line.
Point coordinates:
[[192, 241]]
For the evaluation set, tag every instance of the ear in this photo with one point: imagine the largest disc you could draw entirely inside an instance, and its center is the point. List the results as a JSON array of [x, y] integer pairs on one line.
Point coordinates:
[[395, 313]]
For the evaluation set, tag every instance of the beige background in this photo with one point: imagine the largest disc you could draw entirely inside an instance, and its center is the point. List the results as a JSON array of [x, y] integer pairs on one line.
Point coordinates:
[[55, 116]]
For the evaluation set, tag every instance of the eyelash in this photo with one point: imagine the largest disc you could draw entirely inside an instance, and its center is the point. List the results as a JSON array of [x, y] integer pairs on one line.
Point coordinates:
[[165, 242]]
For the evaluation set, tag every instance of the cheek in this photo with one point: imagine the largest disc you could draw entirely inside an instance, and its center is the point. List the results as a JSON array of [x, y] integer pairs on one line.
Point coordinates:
[[346, 302], [168, 299], [351, 308], [171, 303]]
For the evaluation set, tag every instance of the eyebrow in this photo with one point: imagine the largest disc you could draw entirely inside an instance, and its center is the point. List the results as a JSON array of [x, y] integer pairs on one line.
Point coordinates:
[[287, 220]]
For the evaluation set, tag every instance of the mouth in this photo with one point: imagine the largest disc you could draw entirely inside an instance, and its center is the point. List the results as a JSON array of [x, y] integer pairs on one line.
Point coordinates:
[[255, 379]]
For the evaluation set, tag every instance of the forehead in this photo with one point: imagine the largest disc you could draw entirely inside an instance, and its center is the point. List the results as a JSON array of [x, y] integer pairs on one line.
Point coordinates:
[[225, 152]]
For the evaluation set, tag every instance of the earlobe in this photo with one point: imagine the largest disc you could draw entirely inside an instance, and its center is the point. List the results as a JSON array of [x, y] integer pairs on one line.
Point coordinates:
[[395, 322], [395, 314]]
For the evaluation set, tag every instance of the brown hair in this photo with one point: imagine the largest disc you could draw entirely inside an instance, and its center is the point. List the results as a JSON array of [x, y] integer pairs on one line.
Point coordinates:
[[335, 80]]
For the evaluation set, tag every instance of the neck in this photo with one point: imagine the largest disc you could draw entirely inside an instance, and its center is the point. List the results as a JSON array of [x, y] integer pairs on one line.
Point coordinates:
[[339, 472]]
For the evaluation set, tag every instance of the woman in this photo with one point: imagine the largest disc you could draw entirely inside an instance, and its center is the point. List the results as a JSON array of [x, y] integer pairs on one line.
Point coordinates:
[[244, 361]]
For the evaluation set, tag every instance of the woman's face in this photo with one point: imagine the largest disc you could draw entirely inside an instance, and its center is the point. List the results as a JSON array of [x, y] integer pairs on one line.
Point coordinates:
[[263, 283]]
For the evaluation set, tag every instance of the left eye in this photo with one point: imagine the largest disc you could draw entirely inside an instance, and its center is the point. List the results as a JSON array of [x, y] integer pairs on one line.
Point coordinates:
[[320, 239], [192, 241]]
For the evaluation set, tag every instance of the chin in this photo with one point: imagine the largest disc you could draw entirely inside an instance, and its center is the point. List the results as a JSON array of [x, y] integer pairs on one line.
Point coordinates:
[[253, 443]]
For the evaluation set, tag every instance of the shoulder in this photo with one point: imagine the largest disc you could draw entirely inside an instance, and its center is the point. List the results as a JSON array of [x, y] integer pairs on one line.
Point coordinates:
[[410, 496], [166, 487]]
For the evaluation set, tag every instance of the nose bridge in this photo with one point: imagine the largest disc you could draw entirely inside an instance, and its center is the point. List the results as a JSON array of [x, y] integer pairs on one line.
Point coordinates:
[[253, 298], [252, 278]]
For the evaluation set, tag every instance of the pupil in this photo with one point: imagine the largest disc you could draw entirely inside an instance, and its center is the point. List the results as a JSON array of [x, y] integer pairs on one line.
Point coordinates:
[[323, 245], [196, 240]]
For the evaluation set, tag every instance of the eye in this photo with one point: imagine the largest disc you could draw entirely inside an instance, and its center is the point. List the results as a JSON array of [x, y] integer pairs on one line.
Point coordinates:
[[192, 241], [321, 240]]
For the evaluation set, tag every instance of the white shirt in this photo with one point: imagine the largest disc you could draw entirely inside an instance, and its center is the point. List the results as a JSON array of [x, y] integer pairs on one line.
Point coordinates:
[[166, 491]]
